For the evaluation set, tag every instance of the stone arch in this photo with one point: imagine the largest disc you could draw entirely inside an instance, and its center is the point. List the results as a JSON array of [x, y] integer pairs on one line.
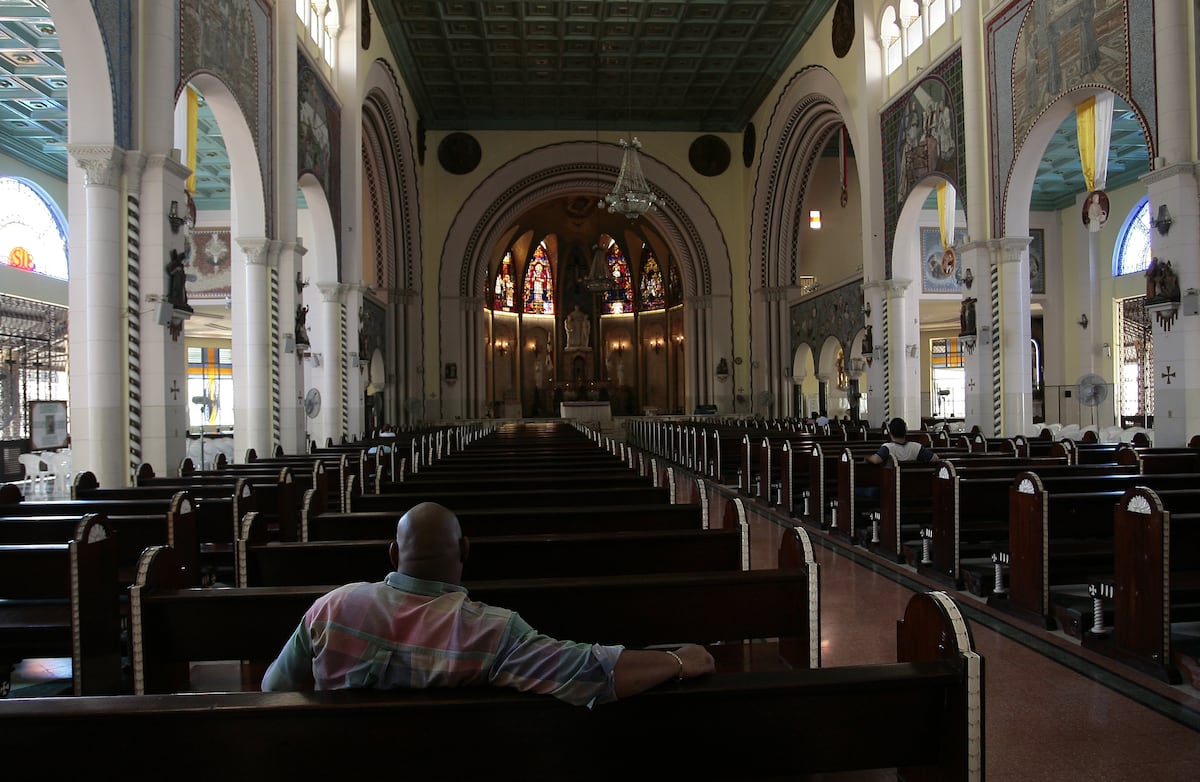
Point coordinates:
[[683, 219], [811, 106]]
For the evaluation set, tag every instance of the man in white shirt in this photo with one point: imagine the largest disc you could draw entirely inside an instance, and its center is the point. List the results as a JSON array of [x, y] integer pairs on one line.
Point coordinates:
[[899, 448]]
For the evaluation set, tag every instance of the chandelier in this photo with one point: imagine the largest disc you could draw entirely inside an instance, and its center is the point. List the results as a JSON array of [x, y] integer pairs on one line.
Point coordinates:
[[630, 195]]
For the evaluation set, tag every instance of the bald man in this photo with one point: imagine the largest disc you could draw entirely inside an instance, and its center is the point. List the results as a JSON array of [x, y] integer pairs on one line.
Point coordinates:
[[418, 628]]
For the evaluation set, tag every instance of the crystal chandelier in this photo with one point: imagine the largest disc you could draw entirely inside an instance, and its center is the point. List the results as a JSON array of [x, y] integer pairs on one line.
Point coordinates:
[[631, 195]]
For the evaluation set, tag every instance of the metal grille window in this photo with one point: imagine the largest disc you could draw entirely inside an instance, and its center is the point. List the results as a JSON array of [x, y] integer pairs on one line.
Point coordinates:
[[1136, 368]]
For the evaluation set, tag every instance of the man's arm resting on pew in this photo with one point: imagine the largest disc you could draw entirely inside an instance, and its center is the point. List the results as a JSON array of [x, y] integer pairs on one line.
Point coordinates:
[[634, 671], [639, 670]]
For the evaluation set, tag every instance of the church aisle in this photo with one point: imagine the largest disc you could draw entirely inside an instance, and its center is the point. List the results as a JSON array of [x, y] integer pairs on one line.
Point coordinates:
[[1043, 720]]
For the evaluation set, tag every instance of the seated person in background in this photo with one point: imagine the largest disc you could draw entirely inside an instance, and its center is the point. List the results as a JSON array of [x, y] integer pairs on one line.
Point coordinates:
[[899, 448], [418, 628]]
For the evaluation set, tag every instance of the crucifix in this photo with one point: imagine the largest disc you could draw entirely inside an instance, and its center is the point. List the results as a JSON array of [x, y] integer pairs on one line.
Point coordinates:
[[174, 389], [971, 385], [1169, 375]]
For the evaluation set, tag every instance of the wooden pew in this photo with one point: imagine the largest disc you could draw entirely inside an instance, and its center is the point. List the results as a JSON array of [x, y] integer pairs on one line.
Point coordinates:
[[543, 555], [174, 626], [488, 519], [60, 600], [516, 497], [131, 533], [1155, 583], [970, 514], [1060, 533], [923, 714]]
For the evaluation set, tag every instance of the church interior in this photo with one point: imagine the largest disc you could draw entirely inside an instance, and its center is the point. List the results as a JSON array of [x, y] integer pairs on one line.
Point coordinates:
[[236, 226]]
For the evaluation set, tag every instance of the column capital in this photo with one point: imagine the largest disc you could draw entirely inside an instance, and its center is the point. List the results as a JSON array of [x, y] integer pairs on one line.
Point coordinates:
[[1170, 172], [101, 163], [255, 248], [895, 288], [1009, 248], [331, 291]]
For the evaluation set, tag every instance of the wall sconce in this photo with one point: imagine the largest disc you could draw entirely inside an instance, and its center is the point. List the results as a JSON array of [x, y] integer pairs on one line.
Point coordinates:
[[678, 341], [1163, 221], [656, 344], [301, 283], [1107, 348], [174, 218], [501, 346], [534, 348], [1083, 320], [911, 350], [968, 278], [618, 347], [814, 219], [867, 311]]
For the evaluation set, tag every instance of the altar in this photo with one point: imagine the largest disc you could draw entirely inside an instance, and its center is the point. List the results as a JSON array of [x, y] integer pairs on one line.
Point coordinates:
[[586, 411]]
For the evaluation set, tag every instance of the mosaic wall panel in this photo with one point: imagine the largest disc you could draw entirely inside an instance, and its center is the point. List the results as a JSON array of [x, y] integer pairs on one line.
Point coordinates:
[[1038, 50], [837, 313], [319, 146], [922, 136], [118, 28]]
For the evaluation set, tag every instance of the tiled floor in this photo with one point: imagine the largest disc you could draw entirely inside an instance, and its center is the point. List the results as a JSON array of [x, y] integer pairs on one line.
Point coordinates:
[[1051, 712]]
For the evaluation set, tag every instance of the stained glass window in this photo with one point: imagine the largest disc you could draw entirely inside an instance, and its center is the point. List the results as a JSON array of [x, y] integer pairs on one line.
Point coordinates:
[[1133, 244], [619, 297], [653, 297], [539, 285], [503, 288]]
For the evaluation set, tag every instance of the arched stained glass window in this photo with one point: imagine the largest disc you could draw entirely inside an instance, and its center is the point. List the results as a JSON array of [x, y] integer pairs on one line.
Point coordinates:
[[619, 297], [32, 232], [539, 285], [653, 297], [503, 289], [674, 284], [1133, 244]]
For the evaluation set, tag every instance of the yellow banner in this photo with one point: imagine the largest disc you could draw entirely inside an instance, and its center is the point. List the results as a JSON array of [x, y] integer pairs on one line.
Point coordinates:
[[1085, 129], [192, 107]]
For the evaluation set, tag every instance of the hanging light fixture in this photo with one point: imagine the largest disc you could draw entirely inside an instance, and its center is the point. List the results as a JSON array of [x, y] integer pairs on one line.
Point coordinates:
[[630, 195]]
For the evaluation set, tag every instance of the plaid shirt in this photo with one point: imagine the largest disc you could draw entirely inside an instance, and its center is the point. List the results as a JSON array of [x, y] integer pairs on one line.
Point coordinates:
[[405, 632]]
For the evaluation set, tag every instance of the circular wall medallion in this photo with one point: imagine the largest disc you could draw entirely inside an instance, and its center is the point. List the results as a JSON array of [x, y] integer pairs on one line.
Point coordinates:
[[843, 27], [459, 153], [709, 155], [749, 141]]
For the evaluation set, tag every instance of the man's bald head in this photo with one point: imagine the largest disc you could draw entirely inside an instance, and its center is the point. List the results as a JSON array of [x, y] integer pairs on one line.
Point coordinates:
[[430, 544]]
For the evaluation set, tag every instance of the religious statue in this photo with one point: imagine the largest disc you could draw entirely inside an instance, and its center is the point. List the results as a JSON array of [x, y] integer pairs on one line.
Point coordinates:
[[177, 280], [966, 317], [868, 343], [301, 329], [578, 327], [1162, 283]]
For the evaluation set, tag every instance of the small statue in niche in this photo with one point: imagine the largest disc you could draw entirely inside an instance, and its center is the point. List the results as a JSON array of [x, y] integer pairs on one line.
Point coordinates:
[[868, 343], [301, 329], [966, 317], [177, 280]]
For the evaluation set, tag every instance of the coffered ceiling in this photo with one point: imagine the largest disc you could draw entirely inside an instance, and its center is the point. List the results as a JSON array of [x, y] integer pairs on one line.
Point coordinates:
[[688, 65]]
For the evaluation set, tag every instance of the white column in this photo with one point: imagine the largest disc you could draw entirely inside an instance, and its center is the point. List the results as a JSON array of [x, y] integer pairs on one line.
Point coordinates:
[[251, 356], [330, 419], [975, 119], [161, 386], [903, 350], [98, 409], [1011, 332], [1176, 117]]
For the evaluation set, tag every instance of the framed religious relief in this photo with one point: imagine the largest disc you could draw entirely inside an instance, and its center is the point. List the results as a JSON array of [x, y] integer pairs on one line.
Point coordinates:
[[1037, 261], [47, 425], [940, 270]]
